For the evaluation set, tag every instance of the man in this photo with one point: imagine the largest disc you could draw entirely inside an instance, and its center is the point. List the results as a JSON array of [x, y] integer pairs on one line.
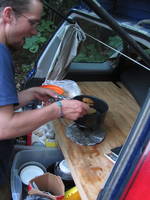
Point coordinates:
[[18, 20]]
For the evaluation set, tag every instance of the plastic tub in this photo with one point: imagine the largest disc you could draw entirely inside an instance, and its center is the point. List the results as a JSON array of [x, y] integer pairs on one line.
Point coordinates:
[[45, 156]]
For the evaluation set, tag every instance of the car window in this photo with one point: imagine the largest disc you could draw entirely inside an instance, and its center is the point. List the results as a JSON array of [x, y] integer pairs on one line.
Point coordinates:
[[93, 51]]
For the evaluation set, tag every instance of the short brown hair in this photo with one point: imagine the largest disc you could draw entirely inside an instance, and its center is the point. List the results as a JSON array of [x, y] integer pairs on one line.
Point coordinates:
[[20, 6]]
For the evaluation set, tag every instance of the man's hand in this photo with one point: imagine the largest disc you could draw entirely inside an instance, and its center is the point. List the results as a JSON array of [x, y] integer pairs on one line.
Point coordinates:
[[35, 93], [73, 109]]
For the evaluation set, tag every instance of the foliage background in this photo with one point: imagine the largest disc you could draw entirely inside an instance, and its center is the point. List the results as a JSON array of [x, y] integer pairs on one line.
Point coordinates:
[[24, 59]]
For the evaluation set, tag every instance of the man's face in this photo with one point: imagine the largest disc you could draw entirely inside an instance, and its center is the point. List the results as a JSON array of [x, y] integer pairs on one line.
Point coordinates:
[[23, 26]]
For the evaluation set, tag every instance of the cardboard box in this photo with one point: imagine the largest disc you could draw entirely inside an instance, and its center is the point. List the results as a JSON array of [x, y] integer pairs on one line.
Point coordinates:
[[47, 185]]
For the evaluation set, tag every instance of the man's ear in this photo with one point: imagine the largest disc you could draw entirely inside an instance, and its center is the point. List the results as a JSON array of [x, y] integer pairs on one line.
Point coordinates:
[[8, 15]]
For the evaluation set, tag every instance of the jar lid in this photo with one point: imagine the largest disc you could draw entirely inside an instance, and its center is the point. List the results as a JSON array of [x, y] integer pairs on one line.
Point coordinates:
[[56, 88], [64, 167], [31, 170]]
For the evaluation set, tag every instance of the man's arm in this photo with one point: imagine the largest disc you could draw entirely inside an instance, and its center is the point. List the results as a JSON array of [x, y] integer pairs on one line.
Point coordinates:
[[14, 124]]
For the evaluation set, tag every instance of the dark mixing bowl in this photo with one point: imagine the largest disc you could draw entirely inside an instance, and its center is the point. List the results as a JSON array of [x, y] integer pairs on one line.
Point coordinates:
[[92, 121]]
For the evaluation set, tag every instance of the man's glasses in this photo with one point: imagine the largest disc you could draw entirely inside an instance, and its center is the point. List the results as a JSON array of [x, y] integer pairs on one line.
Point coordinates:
[[34, 23]]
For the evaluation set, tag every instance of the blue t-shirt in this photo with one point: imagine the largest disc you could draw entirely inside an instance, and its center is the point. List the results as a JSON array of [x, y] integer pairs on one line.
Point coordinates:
[[8, 95], [8, 92]]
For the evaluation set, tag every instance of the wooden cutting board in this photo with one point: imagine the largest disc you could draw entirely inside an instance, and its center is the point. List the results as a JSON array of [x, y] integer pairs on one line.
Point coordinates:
[[89, 167]]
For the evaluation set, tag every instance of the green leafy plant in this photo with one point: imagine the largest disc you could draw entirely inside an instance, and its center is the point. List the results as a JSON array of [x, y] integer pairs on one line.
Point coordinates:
[[33, 43], [23, 70], [32, 46], [94, 52]]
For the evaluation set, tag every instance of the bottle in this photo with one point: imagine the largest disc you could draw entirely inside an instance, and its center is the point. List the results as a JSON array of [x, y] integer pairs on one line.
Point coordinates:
[[29, 139], [51, 143], [72, 194]]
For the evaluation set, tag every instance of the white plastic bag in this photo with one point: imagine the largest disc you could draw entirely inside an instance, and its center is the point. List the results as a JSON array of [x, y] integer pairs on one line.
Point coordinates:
[[71, 87]]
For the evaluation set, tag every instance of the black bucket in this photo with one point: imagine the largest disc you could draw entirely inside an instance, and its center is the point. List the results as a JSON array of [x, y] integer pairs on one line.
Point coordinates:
[[92, 121]]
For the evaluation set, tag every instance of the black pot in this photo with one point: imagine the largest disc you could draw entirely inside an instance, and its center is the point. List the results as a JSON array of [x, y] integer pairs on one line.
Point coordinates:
[[95, 120]]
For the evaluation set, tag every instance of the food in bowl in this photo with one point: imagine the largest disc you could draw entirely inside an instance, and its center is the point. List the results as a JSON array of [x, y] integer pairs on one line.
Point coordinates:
[[96, 115]]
